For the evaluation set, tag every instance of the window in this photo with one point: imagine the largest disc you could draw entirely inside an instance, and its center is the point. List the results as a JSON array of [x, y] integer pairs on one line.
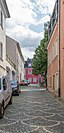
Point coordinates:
[[29, 64], [30, 80], [1, 51], [4, 84], [34, 79], [29, 71], [1, 19], [0, 84], [53, 82], [56, 81], [50, 82]]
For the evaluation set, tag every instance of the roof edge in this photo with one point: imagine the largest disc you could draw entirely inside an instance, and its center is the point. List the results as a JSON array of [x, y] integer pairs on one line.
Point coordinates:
[[6, 7]]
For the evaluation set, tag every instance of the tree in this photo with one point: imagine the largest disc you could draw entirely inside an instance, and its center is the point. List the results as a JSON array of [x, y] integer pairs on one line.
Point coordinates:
[[40, 58]]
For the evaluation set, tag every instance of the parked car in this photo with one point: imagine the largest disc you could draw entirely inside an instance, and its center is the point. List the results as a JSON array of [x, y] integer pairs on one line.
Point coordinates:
[[5, 93], [21, 83], [28, 82], [15, 87], [24, 83]]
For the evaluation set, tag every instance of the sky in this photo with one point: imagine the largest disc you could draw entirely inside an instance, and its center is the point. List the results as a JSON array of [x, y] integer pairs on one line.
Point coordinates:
[[26, 22]]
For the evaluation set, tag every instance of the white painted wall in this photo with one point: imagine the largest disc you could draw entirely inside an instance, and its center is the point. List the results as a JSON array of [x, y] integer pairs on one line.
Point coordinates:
[[3, 41]]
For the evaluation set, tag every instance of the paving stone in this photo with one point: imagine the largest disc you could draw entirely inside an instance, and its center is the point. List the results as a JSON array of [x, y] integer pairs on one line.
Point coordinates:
[[34, 111]]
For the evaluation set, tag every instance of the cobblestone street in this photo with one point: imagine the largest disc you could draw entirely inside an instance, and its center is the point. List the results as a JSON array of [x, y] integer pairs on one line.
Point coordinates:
[[34, 111]]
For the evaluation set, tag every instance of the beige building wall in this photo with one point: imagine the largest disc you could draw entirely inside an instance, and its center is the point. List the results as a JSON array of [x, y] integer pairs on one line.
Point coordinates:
[[20, 63], [14, 60], [53, 63], [10, 71], [53, 46], [11, 57], [11, 49]]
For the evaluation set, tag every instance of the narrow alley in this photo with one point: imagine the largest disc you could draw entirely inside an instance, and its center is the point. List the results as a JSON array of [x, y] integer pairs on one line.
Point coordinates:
[[34, 111]]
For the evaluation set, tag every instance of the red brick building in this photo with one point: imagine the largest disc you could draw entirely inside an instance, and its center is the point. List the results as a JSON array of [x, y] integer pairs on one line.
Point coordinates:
[[56, 50]]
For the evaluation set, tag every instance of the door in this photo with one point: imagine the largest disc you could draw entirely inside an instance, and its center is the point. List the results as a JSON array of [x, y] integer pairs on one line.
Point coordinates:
[[6, 93], [57, 82], [53, 82]]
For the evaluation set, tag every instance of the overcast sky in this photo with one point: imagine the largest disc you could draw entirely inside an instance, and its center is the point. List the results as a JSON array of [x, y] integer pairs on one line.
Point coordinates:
[[26, 24]]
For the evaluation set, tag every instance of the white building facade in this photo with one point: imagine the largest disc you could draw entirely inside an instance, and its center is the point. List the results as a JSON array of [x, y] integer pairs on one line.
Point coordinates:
[[4, 13]]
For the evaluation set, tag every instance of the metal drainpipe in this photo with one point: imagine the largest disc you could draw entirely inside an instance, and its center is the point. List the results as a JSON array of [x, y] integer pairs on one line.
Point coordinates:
[[59, 48]]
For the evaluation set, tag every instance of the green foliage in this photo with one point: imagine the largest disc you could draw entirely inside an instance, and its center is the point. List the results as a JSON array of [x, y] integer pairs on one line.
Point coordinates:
[[40, 57]]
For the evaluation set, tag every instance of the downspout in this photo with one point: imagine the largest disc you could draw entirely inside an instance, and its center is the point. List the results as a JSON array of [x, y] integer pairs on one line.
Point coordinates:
[[59, 48]]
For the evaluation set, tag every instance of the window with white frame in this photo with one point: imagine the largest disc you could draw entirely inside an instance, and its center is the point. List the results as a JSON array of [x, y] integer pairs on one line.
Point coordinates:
[[29, 64], [1, 51], [34, 80], [1, 18], [30, 80], [29, 71]]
